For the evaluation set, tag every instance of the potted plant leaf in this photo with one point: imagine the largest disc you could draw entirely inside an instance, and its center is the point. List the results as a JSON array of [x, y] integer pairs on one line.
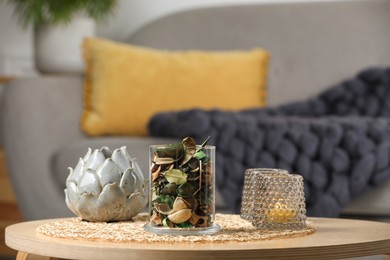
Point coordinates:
[[60, 26]]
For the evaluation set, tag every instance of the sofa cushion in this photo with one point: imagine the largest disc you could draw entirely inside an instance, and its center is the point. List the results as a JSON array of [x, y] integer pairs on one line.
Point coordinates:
[[125, 85]]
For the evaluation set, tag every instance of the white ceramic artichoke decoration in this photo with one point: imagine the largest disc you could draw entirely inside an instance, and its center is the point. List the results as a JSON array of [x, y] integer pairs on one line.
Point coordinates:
[[106, 186]]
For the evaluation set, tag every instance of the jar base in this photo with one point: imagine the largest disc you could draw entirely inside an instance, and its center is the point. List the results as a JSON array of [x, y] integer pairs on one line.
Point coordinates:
[[183, 231]]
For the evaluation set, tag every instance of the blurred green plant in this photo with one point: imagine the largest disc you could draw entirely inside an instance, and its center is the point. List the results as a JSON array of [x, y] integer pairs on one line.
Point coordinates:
[[39, 12]]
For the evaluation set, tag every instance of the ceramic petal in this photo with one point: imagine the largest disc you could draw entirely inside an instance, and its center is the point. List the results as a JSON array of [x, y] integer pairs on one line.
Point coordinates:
[[78, 171], [88, 154], [70, 175], [89, 183], [135, 203], [106, 152], [121, 159], [112, 201], [108, 172], [128, 182], [69, 204], [72, 191], [95, 160], [71, 199], [137, 170], [139, 186], [88, 207], [125, 153]]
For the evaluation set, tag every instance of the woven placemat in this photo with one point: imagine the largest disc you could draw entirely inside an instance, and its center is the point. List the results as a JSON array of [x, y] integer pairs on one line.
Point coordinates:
[[233, 229]]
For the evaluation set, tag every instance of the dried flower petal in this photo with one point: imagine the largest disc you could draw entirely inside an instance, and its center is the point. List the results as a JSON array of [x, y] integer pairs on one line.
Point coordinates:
[[179, 204], [156, 173], [180, 216]]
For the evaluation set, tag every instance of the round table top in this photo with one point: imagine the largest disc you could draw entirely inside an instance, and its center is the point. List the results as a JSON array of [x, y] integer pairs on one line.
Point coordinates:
[[334, 238]]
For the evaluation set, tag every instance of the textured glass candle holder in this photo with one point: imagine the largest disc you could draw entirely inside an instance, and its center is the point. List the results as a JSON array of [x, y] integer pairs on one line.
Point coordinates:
[[274, 199], [182, 190], [250, 184]]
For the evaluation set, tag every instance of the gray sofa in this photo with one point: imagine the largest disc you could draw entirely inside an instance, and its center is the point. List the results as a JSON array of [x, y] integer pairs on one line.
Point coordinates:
[[313, 45]]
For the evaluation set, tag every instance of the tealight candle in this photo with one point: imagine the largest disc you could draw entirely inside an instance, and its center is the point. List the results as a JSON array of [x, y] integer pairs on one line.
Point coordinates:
[[281, 213]]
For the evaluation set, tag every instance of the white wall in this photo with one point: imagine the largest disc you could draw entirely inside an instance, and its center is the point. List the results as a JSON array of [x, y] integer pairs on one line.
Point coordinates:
[[16, 45]]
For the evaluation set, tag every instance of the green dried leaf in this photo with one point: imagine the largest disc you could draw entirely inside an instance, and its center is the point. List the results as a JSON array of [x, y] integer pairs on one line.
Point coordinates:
[[175, 176], [169, 189], [199, 155], [185, 190], [185, 225], [164, 222], [193, 163], [164, 199], [174, 151], [193, 176]]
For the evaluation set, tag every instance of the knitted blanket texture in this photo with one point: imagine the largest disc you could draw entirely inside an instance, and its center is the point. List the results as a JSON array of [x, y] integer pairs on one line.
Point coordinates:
[[339, 141]]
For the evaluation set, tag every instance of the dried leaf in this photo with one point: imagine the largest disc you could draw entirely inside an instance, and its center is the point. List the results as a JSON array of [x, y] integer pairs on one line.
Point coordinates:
[[189, 145], [193, 163], [176, 176], [185, 190], [167, 223], [163, 209], [173, 151], [164, 199], [199, 155], [185, 225], [169, 189], [193, 176], [165, 160]]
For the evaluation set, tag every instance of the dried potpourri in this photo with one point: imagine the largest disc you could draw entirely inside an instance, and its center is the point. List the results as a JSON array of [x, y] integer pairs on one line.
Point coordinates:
[[182, 185]]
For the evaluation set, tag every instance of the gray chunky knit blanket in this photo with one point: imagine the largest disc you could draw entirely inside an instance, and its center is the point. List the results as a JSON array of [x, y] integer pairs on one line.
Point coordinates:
[[338, 141]]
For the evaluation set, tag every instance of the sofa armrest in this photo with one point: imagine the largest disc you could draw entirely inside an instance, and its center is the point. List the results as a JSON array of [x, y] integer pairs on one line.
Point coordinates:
[[40, 115]]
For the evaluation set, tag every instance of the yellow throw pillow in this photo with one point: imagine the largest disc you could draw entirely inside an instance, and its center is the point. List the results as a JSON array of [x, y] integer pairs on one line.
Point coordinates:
[[126, 85]]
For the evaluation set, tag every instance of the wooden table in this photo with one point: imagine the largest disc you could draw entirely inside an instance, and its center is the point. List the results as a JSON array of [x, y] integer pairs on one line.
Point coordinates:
[[334, 238]]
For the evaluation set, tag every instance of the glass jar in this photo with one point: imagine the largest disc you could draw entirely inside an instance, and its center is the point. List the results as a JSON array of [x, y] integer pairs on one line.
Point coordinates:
[[182, 190]]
